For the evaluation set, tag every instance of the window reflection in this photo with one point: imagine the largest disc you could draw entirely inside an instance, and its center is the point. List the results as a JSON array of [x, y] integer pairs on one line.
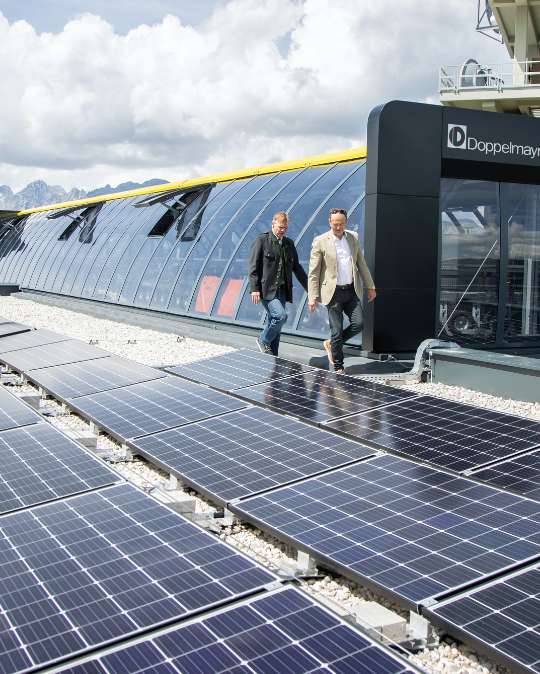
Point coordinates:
[[470, 260]]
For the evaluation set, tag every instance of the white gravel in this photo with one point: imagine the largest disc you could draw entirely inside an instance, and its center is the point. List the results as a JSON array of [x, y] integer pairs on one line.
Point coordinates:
[[156, 348]]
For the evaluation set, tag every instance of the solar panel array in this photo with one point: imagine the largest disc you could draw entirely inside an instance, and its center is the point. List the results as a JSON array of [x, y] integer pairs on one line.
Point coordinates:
[[246, 452], [91, 569], [29, 339], [520, 475], [40, 464], [152, 406], [408, 529], [285, 632], [13, 412], [239, 369], [7, 329], [442, 432], [49, 355], [502, 619], [320, 396]]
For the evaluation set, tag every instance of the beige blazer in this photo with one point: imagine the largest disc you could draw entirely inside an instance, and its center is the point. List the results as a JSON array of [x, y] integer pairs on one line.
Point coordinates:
[[323, 271]]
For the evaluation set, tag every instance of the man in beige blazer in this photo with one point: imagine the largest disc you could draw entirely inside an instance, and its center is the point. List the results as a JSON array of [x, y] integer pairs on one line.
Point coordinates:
[[335, 268]]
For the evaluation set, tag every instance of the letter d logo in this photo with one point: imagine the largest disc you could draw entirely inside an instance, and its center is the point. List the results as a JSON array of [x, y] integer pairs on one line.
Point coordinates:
[[457, 136]]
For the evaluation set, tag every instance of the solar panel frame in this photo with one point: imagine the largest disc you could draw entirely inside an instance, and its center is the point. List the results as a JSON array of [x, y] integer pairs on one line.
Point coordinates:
[[91, 376], [500, 619], [50, 355], [145, 402], [307, 395], [90, 570], [238, 369], [247, 452], [519, 475], [14, 412], [283, 630], [408, 531], [10, 328], [29, 339], [443, 433], [40, 464]]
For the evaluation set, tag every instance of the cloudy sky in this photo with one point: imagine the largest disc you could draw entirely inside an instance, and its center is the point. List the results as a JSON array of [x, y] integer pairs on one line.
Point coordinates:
[[113, 90]]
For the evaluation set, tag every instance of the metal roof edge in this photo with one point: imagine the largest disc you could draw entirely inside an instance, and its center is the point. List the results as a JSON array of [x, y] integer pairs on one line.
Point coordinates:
[[317, 160]]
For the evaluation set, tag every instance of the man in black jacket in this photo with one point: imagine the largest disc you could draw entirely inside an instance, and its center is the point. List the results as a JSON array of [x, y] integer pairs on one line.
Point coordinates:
[[272, 260]]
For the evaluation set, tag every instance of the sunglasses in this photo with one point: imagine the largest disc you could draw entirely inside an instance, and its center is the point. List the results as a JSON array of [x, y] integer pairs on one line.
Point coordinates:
[[333, 211]]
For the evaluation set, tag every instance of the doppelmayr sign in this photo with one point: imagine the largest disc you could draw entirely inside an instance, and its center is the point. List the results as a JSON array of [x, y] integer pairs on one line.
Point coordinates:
[[491, 136]]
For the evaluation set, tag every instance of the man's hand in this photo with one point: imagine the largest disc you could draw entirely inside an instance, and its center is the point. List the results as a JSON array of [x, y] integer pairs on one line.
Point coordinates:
[[312, 304], [371, 294], [256, 298]]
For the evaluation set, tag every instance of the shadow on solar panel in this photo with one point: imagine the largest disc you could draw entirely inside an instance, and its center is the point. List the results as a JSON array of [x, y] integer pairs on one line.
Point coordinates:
[[319, 396], [284, 631], [7, 329], [238, 369]]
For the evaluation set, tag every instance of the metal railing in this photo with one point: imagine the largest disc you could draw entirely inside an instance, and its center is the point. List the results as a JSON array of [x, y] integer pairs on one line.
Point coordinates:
[[489, 76]]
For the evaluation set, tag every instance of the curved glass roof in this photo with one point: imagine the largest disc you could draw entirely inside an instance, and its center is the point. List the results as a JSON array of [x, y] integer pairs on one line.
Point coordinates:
[[183, 250]]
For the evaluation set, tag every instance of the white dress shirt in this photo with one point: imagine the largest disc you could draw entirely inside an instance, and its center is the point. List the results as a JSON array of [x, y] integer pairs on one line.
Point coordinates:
[[344, 261]]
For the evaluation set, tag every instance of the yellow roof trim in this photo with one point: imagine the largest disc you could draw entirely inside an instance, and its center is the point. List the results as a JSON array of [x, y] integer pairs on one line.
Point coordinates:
[[318, 160]]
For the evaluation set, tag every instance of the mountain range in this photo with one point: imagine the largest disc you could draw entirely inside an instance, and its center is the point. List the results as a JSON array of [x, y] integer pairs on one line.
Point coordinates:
[[39, 193]]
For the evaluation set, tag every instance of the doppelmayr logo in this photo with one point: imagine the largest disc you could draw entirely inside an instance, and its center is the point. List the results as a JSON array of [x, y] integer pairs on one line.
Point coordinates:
[[458, 139]]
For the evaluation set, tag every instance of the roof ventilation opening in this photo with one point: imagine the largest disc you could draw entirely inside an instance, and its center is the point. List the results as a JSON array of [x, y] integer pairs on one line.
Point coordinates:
[[86, 221], [174, 210]]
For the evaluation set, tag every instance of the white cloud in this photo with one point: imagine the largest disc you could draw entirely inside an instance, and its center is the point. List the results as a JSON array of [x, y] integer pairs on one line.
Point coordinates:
[[87, 106]]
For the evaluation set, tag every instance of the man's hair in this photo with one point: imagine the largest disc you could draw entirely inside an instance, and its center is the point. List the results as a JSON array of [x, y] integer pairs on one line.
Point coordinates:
[[281, 217], [335, 211]]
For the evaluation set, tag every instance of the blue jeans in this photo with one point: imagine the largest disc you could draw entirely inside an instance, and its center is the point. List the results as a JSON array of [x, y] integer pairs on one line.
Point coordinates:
[[276, 317], [343, 302]]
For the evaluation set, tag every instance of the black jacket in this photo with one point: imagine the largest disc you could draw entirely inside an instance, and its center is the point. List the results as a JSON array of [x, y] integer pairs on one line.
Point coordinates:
[[264, 267]]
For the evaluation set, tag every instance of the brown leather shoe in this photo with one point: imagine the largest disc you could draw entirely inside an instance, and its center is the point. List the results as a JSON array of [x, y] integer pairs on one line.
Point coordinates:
[[328, 349], [339, 372]]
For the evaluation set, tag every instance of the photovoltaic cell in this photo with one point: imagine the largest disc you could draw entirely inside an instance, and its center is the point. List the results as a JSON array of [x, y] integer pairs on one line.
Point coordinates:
[[501, 619], [443, 432], [520, 475], [39, 464], [7, 329], [49, 355], [238, 369], [409, 529], [91, 569], [15, 413], [91, 376], [153, 406], [247, 452], [319, 396], [29, 339], [285, 632]]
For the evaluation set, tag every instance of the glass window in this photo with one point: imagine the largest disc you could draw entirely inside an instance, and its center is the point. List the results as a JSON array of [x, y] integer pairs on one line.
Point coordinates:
[[110, 229], [203, 245], [135, 272], [470, 219], [35, 228], [14, 239], [522, 322], [223, 251], [43, 250], [171, 239]]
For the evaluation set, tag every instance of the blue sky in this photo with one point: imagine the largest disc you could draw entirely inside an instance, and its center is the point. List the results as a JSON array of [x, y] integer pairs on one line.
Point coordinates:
[[115, 90]]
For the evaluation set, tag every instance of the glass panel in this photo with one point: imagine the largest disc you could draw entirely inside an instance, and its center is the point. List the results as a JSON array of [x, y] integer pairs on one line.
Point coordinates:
[[119, 261], [203, 245], [43, 249], [522, 322], [38, 229], [71, 263], [470, 217], [137, 268], [111, 231], [15, 242], [344, 197], [225, 247], [166, 244]]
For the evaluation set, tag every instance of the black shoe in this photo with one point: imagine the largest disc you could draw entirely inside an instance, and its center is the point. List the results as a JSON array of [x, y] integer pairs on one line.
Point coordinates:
[[265, 348]]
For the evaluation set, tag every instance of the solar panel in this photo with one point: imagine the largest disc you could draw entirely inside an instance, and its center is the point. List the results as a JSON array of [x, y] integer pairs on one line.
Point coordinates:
[[15, 413], [247, 452], [29, 339], [91, 569], [520, 475], [7, 329], [319, 396], [282, 632], [442, 432], [49, 355], [39, 464], [153, 406], [409, 531], [238, 369], [501, 619], [91, 376]]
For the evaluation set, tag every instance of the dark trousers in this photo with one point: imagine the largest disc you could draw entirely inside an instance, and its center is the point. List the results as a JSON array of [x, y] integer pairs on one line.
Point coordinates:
[[343, 302]]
